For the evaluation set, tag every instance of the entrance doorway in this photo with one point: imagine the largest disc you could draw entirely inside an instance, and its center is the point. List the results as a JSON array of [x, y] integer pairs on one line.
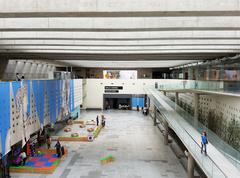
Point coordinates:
[[119, 101]]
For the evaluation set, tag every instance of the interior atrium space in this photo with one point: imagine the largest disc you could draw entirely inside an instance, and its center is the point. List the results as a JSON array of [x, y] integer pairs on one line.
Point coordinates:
[[119, 89]]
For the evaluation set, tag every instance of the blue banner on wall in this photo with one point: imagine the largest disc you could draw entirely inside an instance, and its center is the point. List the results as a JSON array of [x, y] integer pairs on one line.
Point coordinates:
[[27, 106], [137, 102]]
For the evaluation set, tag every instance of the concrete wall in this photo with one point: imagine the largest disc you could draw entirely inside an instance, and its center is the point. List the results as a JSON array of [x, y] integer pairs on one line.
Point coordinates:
[[95, 89], [30, 69]]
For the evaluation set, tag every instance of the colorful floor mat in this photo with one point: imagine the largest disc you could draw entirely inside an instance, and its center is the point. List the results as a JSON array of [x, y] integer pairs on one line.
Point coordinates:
[[44, 163]]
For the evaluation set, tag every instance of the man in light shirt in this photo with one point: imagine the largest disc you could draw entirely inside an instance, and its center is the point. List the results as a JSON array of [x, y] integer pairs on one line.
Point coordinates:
[[23, 157]]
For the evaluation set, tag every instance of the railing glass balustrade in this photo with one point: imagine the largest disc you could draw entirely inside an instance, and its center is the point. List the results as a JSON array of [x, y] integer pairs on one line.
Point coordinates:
[[212, 169], [193, 84]]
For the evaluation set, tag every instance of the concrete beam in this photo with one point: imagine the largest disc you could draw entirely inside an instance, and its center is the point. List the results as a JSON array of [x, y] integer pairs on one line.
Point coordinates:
[[72, 6], [151, 35], [116, 56], [103, 43], [121, 24], [143, 48], [134, 51], [120, 14]]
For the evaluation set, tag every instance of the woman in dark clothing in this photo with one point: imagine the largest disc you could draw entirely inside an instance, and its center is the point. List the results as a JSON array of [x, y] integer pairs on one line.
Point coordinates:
[[49, 141], [97, 120], [58, 149]]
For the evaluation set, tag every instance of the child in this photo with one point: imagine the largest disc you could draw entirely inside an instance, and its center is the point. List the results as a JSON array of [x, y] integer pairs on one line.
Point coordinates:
[[204, 142]]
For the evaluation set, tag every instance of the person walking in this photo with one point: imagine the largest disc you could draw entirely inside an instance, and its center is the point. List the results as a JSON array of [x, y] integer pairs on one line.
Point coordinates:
[[204, 142], [49, 141]]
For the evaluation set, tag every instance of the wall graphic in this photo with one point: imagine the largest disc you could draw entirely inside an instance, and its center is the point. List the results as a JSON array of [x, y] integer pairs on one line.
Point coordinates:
[[27, 106]]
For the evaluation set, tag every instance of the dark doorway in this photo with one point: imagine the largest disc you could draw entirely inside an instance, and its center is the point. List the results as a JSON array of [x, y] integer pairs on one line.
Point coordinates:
[[117, 101]]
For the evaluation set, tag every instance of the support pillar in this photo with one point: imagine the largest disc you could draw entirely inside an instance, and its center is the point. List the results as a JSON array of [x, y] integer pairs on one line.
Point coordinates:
[[166, 132], [209, 73], [3, 65], [222, 72], [190, 73], [196, 108], [191, 165]]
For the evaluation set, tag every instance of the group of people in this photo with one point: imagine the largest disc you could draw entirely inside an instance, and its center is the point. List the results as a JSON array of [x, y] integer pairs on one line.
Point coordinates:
[[20, 159], [58, 146], [103, 120]]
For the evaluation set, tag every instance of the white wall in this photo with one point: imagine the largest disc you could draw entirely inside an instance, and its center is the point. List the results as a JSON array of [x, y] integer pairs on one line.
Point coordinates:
[[229, 106], [95, 89], [78, 94]]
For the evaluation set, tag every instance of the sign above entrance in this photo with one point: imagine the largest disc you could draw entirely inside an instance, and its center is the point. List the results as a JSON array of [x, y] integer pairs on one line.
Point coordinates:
[[113, 87]]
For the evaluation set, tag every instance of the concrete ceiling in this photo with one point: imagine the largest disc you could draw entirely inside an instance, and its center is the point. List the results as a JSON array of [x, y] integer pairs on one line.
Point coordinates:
[[115, 33]]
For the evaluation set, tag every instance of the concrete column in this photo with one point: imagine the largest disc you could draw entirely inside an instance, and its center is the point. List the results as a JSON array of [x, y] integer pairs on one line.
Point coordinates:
[[196, 72], [196, 108], [222, 72], [3, 65], [208, 73], [191, 165], [166, 132], [176, 100], [190, 73], [155, 116]]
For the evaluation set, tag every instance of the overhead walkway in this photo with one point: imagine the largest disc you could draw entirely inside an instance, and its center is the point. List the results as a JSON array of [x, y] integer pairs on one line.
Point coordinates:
[[215, 164], [232, 154]]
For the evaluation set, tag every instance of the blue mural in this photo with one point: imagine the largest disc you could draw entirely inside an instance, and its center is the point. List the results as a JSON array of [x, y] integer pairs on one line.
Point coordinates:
[[5, 112], [27, 106]]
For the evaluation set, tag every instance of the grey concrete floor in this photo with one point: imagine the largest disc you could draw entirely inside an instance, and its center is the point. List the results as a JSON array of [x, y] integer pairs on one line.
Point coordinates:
[[134, 142]]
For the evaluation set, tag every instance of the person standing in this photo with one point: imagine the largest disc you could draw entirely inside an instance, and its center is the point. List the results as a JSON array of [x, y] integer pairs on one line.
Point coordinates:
[[58, 149], [97, 120], [23, 157], [204, 142], [103, 121], [18, 78], [49, 141]]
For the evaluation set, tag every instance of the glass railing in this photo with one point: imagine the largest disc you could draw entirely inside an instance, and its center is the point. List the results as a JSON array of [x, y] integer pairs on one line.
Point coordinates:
[[192, 84], [220, 86], [230, 153], [206, 162]]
